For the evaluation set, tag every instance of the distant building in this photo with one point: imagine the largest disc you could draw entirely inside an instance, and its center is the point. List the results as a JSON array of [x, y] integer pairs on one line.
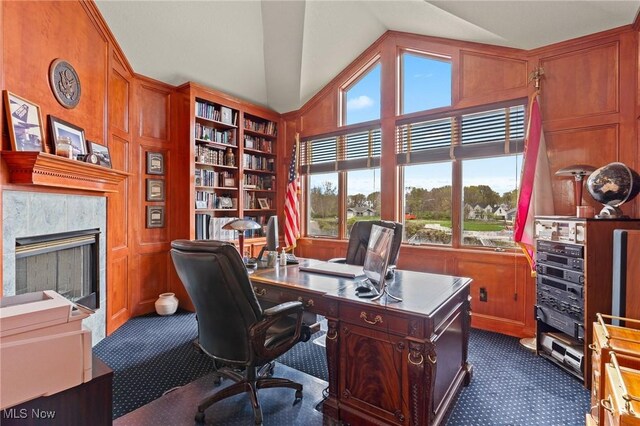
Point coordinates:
[[360, 211]]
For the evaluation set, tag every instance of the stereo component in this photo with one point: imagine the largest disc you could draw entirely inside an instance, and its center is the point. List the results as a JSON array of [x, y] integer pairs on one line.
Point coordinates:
[[565, 351], [560, 229]]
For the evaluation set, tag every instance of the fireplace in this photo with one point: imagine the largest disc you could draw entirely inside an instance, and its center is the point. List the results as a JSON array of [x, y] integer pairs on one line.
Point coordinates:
[[65, 262]]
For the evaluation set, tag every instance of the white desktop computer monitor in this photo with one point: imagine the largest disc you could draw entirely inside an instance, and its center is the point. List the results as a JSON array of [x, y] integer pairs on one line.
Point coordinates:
[[377, 257], [271, 234]]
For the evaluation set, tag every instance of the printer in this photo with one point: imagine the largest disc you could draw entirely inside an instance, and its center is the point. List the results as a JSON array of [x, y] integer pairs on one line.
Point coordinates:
[[44, 348]]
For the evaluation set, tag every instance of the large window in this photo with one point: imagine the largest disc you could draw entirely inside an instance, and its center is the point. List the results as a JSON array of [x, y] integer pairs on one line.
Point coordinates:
[[427, 203], [490, 190], [323, 205], [363, 196], [362, 98], [426, 82]]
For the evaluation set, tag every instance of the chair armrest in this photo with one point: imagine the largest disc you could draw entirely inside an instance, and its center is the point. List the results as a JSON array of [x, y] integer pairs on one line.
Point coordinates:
[[338, 260], [282, 309]]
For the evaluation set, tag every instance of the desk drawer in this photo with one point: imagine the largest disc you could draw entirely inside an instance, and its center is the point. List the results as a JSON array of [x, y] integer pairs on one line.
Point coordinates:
[[312, 302], [381, 319]]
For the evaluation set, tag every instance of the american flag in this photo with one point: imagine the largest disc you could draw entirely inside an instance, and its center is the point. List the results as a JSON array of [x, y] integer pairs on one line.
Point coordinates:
[[291, 205]]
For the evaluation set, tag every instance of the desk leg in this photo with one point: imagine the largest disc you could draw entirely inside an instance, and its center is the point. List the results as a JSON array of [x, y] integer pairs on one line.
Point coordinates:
[[330, 406], [466, 330]]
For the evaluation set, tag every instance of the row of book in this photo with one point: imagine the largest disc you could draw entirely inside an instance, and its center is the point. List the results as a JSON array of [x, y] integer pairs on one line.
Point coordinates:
[[268, 127], [211, 200], [216, 113], [251, 201], [257, 162], [261, 144], [206, 133], [205, 154], [213, 178], [210, 228], [259, 182]]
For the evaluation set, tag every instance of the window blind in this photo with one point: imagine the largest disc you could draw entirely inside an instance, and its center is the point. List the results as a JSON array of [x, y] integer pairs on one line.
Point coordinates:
[[467, 133], [346, 151]]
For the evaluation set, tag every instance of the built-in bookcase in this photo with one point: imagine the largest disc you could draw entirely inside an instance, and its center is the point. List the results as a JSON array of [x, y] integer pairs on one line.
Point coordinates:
[[259, 165]]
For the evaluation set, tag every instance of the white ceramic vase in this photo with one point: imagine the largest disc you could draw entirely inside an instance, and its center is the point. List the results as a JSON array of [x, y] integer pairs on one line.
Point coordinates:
[[167, 304]]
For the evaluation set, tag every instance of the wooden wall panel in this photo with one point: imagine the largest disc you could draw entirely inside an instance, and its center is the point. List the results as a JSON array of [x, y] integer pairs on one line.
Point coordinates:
[[581, 83], [153, 114], [593, 146], [482, 74], [118, 295], [152, 275], [322, 116], [119, 89]]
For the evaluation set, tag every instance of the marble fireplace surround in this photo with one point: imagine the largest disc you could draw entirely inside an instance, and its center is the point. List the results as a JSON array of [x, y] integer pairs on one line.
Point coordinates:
[[38, 213]]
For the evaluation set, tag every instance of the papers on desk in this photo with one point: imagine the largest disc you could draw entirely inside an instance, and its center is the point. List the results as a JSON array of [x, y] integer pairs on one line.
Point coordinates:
[[337, 269]]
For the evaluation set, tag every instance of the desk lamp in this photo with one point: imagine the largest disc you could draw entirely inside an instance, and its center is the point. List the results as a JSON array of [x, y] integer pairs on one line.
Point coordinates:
[[241, 225], [578, 171]]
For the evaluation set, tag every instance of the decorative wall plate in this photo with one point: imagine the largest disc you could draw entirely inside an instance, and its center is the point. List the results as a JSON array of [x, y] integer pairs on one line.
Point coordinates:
[[65, 83]]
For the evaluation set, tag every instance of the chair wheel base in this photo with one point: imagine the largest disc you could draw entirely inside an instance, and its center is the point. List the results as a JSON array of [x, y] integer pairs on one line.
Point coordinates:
[[200, 417], [298, 397]]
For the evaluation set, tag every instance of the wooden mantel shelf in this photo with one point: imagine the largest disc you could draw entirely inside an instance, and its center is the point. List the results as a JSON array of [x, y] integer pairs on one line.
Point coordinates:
[[42, 169]]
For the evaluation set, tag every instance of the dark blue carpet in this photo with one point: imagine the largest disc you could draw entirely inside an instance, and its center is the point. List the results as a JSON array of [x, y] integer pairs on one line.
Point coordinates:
[[511, 386]]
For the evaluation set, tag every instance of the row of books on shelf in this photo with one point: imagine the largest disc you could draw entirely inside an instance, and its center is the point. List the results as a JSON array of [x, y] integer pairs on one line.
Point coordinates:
[[266, 127], [211, 200], [251, 201], [213, 178], [256, 162], [207, 133], [210, 228], [261, 144], [259, 182], [205, 154], [216, 113]]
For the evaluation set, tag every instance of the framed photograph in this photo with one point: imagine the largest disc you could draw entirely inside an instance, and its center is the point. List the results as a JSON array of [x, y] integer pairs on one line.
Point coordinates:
[[263, 203], [155, 216], [155, 163], [155, 190], [226, 115], [24, 122], [102, 152], [62, 131], [229, 182]]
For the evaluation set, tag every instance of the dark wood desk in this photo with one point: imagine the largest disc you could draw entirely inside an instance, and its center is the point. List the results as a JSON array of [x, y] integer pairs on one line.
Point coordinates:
[[389, 363]]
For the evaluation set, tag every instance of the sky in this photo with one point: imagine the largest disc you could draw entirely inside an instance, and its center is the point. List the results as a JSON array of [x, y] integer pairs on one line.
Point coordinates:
[[427, 85]]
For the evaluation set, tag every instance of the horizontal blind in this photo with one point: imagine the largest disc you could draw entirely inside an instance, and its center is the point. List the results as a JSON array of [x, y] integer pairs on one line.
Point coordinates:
[[342, 152], [461, 135]]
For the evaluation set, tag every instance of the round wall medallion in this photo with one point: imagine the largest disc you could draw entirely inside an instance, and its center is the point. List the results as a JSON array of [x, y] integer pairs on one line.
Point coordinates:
[[65, 83]]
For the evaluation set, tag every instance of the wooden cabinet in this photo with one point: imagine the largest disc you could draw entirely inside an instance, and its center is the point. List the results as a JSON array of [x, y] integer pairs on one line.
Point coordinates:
[[229, 170], [621, 398]]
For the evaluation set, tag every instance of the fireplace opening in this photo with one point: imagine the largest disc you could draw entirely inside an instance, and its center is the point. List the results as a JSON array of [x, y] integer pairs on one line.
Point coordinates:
[[65, 262]]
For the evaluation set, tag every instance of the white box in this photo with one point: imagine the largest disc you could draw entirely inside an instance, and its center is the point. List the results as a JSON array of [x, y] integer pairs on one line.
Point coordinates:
[[44, 349]]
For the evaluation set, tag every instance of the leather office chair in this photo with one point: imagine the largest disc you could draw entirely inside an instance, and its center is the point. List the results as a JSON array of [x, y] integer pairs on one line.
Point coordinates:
[[359, 239], [233, 329]]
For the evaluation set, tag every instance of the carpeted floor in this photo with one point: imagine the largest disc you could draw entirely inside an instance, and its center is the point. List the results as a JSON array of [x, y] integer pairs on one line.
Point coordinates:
[[511, 386]]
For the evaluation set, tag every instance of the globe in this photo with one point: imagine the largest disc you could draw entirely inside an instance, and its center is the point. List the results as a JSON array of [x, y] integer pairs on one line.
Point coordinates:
[[613, 185]]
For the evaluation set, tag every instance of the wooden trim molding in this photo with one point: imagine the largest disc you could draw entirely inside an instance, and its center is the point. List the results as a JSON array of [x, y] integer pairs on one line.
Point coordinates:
[[42, 169]]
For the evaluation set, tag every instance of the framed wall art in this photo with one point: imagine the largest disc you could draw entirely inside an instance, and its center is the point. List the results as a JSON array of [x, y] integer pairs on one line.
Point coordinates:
[[155, 216], [102, 152], [155, 190], [155, 163], [63, 132], [24, 122]]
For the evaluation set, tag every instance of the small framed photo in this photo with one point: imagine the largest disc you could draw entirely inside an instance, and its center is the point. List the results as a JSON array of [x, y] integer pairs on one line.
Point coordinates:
[[102, 152], [229, 182], [62, 131], [24, 122], [155, 190], [263, 203], [226, 115], [155, 163], [155, 216]]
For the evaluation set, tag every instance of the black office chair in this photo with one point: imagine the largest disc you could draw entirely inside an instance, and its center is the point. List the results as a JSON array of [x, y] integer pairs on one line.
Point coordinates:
[[359, 239], [232, 327]]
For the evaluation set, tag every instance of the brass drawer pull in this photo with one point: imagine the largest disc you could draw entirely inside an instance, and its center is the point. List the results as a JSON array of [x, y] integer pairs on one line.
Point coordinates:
[[333, 336], [432, 360], [308, 304], [415, 362], [607, 405], [260, 291], [377, 319], [592, 346]]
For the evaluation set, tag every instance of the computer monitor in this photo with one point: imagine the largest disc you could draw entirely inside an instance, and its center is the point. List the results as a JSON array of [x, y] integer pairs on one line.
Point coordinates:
[[271, 232], [377, 257]]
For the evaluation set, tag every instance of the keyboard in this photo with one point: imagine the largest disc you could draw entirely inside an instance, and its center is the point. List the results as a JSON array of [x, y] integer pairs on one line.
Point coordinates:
[[291, 259]]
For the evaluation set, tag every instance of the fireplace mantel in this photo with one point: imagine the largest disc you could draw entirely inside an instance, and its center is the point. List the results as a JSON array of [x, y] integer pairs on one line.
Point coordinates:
[[42, 169]]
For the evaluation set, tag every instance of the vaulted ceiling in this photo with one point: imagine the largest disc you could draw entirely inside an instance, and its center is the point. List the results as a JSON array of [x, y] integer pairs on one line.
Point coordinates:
[[280, 53]]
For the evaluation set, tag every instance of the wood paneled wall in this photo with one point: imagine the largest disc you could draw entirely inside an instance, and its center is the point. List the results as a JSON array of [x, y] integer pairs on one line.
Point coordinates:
[[589, 101]]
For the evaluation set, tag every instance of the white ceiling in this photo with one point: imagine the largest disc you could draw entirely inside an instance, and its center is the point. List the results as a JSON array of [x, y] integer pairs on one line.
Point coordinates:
[[280, 53]]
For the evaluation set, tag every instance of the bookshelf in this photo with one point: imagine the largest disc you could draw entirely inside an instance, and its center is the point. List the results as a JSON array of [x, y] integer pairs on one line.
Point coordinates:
[[232, 164]]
